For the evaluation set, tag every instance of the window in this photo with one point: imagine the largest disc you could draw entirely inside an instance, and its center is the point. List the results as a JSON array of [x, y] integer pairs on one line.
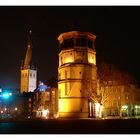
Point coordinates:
[[34, 75], [65, 74], [61, 60], [90, 44], [68, 43], [59, 76], [66, 89], [81, 41], [30, 74]]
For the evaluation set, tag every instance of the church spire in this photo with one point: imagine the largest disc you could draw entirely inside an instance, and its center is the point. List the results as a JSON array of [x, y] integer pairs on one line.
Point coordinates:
[[28, 56]]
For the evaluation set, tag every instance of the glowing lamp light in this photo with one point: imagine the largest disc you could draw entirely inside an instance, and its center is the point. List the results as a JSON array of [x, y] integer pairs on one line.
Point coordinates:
[[5, 109], [137, 106], [16, 108], [124, 107], [45, 113], [90, 108], [1, 111], [6, 95]]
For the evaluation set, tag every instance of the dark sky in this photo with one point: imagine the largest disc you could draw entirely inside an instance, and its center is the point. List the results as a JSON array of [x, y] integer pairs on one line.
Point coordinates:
[[117, 30]]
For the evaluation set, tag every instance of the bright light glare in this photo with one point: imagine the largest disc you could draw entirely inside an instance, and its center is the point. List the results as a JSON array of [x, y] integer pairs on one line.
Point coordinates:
[[10, 94], [90, 108], [97, 108], [5, 95], [16, 108], [45, 113], [137, 106], [124, 107], [5, 109]]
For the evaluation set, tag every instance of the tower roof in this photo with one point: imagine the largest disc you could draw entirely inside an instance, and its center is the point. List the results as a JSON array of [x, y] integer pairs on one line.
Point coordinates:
[[69, 34], [28, 56]]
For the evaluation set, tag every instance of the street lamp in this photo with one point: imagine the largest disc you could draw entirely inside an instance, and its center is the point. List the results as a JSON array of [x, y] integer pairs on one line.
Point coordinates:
[[16, 108]]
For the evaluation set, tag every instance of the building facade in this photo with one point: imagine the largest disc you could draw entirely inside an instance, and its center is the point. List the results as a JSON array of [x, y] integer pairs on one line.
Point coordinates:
[[119, 91], [77, 68], [46, 102]]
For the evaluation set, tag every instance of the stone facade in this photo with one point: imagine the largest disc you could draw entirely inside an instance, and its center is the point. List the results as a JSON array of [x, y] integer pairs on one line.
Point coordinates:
[[77, 65]]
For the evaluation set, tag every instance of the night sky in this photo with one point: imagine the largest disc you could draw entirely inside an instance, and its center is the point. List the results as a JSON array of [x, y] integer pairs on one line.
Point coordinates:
[[117, 30]]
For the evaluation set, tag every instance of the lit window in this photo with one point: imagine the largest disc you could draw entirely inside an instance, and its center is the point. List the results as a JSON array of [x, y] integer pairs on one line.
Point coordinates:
[[65, 74]]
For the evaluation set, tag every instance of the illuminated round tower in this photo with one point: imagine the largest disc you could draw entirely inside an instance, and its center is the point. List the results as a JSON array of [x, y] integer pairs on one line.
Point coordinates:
[[77, 66]]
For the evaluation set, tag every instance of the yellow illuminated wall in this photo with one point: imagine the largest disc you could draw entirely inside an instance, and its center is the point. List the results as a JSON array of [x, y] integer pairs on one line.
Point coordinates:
[[76, 65], [28, 80], [24, 81], [91, 57]]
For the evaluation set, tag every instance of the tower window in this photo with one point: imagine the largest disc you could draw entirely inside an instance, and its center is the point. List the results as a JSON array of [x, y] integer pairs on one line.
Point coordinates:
[[68, 43], [81, 41], [65, 74], [59, 76], [30, 74], [90, 44], [34, 75], [61, 60]]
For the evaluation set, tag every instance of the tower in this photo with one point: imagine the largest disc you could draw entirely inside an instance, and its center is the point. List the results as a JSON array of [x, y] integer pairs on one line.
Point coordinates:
[[28, 77], [76, 73]]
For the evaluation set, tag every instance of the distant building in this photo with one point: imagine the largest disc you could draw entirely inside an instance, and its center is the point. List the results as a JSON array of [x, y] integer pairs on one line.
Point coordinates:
[[46, 101], [28, 77], [76, 71], [120, 92], [13, 105]]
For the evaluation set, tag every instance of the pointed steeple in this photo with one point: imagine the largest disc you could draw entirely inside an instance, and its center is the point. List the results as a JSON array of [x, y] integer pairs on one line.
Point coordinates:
[[28, 56]]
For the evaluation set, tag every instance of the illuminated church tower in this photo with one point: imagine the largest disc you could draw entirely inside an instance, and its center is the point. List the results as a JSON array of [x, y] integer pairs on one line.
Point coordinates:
[[28, 78], [76, 73]]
